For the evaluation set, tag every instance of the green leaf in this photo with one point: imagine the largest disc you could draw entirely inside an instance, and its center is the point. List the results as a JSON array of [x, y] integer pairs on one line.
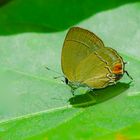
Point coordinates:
[[131, 132], [34, 105]]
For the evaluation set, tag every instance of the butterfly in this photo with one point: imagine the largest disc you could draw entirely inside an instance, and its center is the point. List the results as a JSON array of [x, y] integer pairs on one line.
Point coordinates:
[[85, 61]]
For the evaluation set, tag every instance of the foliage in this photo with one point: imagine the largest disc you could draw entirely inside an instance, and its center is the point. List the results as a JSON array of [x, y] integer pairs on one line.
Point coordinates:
[[33, 105]]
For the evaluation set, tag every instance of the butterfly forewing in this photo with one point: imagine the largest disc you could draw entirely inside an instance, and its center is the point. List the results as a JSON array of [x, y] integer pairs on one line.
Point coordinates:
[[79, 43], [82, 36]]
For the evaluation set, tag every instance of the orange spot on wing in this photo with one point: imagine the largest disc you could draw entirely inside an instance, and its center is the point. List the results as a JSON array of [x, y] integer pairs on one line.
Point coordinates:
[[117, 69]]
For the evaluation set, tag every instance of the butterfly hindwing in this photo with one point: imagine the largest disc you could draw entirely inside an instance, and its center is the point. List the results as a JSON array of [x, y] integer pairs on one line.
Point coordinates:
[[93, 72]]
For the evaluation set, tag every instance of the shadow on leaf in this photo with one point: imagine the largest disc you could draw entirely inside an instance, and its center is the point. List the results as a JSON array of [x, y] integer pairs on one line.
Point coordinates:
[[97, 96]]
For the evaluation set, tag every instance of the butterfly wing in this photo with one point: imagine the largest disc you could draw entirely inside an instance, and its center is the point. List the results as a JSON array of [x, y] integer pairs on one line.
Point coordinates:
[[94, 70], [110, 56], [79, 43]]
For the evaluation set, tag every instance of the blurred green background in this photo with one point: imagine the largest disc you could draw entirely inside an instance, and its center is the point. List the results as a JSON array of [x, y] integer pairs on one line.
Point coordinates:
[[50, 15], [33, 105]]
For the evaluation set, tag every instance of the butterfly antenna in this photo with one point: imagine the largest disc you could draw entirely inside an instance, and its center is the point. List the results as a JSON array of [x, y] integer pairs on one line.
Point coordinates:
[[55, 72], [128, 75], [127, 72]]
